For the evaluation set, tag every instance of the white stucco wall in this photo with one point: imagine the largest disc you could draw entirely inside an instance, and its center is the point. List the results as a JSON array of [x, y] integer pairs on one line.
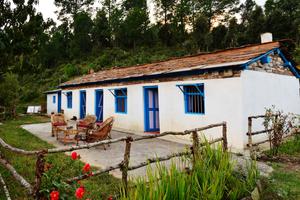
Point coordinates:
[[222, 103], [230, 99], [51, 107], [262, 90]]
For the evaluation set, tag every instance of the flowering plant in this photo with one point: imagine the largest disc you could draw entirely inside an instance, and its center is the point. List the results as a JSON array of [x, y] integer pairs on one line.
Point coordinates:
[[53, 185]]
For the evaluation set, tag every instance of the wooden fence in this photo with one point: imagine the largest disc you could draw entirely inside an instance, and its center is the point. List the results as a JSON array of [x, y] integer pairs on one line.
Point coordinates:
[[252, 133], [34, 190]]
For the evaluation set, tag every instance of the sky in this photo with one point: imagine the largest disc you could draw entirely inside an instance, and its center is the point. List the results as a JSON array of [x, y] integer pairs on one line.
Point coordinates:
[[47, 8]]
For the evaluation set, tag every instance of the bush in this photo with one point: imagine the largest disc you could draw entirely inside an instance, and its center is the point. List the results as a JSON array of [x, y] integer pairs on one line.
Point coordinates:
[[212, 177]]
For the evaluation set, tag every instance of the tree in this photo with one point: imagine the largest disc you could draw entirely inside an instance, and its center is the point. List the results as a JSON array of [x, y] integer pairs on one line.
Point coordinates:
[[134, 28], [72, 7], [283, 19], [214, 8], [181, 18], [164, 10], [81, 43], [129, 4], [101, 32], [233, 34], [200, 33], [10, 92], [256, 25], [218, 37], [246, 10]]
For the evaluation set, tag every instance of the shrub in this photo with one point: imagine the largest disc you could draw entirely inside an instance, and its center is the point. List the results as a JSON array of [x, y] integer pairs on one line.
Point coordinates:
[[280, 125], [212, 177]]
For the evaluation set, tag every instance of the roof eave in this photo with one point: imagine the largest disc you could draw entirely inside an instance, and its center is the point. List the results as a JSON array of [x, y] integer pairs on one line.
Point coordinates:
[[186, 72]]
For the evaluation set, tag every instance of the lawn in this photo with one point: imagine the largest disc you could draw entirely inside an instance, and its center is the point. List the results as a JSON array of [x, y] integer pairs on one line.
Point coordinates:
[[99, 187], [284, 183]]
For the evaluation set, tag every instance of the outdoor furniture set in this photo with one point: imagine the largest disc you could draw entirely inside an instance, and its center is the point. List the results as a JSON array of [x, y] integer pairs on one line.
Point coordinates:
[[86, 130]]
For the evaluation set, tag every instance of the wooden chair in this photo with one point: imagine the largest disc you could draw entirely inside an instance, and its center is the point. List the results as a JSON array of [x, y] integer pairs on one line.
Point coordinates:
[[87, 123], [102, 132], [57, 122]]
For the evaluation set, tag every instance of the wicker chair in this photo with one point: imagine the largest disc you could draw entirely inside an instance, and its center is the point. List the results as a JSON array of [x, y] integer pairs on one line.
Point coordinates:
[[87, 123], [102, 132], [57, 121]]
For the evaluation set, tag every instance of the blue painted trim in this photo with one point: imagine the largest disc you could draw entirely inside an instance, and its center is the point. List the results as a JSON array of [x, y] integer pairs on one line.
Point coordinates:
[[185, 96], [146, 109], [59, 101], [265, 60], [54, 98], [120, 97], [288, 64], [180, 86], [81, 113], [100, 91], [69, 100], [246, 65]]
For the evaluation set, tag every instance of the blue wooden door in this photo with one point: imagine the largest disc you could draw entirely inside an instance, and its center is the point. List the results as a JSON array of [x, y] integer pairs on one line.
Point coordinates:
[[151, 109], [59, 101], [82, 104], [99, 105]]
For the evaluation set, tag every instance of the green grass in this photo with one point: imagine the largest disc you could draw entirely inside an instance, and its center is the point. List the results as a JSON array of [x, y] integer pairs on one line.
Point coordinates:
[[290, 147], [284, 183], [212, 178], [97, 187]]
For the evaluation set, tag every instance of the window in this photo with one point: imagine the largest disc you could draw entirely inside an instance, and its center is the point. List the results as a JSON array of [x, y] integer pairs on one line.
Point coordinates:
[[194, 98], [54, 99], [69, 99], [121, 100]]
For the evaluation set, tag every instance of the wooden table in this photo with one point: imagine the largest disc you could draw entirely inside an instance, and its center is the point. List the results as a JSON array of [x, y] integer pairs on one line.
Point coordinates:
[[68, 131]]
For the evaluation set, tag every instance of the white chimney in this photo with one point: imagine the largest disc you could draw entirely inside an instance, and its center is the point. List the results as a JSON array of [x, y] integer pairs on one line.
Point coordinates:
[[266, 37]]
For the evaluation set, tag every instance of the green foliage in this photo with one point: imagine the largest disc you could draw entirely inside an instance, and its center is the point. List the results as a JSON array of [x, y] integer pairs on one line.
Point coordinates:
[[9, 92], [280, 125], [284, 183], [98, 187], [120, 33], [212, 177]]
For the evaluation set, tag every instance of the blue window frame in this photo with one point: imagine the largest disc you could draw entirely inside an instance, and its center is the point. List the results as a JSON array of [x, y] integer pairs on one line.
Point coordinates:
[[69, 99], [54, 99], [121, 100], [194, 101]]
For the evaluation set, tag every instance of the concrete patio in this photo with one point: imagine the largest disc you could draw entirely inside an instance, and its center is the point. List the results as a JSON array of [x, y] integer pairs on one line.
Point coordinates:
[[140, 151], [97, 156]]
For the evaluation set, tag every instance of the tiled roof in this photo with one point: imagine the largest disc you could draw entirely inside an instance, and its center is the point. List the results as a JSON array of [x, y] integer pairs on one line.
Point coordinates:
[[228, 57]]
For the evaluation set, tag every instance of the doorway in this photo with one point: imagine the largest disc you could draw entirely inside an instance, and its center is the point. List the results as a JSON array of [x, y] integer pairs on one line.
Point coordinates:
[[151, 109], [99, 105], [82, 104]]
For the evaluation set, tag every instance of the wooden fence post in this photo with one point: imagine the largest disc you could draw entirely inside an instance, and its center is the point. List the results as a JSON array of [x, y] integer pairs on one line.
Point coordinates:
[[195, 147], [250, 136], [224, 134], [39, 170], [125, 163]]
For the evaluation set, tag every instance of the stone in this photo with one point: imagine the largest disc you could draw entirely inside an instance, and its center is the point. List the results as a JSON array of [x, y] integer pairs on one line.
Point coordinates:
[[255, 194]]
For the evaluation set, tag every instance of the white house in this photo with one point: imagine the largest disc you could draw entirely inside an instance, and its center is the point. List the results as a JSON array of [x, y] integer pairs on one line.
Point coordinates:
[[187, 92]]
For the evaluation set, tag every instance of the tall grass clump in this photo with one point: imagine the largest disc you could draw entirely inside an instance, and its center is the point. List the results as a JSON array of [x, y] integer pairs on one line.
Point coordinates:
[[211, 177]]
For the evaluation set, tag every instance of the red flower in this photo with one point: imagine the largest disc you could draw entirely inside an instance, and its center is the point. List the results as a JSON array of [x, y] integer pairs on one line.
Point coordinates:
[[79, 192], [110, 198], [54, 195], [86, 167], [74, 155]]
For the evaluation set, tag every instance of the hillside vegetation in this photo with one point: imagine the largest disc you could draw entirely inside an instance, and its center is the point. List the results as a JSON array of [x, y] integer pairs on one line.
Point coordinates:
[[37, 54]]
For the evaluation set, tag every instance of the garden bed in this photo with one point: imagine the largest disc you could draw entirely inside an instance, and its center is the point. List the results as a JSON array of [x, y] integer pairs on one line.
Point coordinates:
[[97, 187]]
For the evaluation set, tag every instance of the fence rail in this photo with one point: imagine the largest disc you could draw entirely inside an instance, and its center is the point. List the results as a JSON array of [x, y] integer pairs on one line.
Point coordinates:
[[251, 133], [123, 166]]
